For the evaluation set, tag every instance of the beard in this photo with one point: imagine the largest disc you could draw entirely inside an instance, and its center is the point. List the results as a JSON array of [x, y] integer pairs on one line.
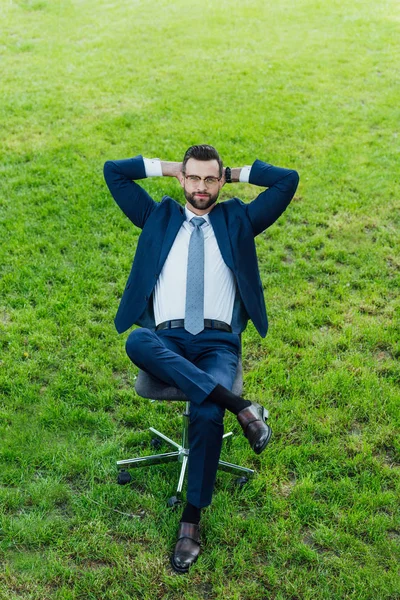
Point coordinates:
[[201, 203]]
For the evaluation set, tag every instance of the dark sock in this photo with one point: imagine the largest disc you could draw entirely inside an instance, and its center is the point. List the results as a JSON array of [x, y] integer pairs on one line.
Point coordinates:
[[222, 396], [191, 514]]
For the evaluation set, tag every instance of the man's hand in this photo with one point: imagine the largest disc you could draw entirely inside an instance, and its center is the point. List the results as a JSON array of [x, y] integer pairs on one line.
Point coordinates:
[[171, 169]]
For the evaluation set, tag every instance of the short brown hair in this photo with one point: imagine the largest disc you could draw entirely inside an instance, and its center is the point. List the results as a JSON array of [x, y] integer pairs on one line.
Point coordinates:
[[202, 152]]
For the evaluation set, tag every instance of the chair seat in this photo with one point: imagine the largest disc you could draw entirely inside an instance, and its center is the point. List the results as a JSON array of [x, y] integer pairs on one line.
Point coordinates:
[[148, 386]]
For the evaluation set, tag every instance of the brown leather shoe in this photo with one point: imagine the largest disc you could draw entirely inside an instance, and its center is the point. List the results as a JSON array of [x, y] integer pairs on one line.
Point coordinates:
[[187, 548], [253, 421]]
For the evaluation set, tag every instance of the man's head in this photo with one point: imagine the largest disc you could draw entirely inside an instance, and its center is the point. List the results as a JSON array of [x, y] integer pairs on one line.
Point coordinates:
[[201, 177]]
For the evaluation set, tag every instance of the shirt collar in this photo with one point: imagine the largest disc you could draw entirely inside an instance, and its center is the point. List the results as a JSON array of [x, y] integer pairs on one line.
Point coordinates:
[[189, 215]]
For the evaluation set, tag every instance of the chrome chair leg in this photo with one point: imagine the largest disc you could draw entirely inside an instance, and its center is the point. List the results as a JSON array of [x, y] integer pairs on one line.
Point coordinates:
[[182, 475], [146, 461], [235, 469], [165, 438]]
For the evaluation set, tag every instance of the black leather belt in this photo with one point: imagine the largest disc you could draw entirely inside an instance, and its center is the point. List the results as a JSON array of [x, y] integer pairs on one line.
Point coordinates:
[[208, 324]]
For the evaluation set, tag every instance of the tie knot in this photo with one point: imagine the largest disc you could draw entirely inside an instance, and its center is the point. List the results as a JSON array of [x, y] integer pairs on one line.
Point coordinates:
[[197, 221]]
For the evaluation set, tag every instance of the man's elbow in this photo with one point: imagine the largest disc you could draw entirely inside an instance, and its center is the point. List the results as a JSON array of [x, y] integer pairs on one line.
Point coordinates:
[[296, 177], [107, 169], [294, 180]]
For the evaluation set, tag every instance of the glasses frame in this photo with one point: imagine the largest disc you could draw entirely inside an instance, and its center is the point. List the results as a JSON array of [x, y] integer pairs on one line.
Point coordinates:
[[199, 179]]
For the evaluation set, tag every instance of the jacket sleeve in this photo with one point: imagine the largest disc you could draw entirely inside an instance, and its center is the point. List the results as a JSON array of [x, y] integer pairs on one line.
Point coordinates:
[[270, 204], [134, 201]]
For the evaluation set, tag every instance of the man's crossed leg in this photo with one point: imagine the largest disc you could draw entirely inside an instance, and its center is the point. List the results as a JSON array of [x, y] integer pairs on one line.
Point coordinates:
[[204, 368]]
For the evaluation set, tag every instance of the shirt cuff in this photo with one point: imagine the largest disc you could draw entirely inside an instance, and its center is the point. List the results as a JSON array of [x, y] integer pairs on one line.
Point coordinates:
[[152, 166], [244, 174]]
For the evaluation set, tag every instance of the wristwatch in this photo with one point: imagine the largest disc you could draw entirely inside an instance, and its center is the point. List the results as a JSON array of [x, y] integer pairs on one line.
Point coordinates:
[[228, 175]]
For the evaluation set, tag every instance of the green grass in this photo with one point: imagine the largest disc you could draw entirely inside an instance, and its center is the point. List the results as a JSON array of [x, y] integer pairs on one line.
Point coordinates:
[[307, 85]]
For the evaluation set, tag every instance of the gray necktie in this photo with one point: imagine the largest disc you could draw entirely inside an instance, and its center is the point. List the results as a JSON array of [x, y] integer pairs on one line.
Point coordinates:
[[194, 310]]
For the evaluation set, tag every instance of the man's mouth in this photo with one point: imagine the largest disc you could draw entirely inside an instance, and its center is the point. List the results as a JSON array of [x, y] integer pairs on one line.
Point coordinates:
[[202, 195]]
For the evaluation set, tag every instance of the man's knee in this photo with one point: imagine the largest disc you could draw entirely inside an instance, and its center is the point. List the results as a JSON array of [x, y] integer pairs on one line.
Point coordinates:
[[136, 342]]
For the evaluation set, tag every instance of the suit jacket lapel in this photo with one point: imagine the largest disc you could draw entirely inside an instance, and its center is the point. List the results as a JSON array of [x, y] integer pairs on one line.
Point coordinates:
[[221, 233], [174, 224]]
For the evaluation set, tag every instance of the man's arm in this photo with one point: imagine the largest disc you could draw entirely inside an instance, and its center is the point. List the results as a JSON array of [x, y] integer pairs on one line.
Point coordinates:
[[120, 176], [270, 204], [171, 169], [238, 174], [135, 202]]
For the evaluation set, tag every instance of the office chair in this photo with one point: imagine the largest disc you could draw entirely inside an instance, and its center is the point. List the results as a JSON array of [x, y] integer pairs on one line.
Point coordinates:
[[149, 387]]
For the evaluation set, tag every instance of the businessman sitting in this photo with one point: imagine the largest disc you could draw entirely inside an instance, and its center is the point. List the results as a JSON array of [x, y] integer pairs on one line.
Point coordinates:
[[193, 285]]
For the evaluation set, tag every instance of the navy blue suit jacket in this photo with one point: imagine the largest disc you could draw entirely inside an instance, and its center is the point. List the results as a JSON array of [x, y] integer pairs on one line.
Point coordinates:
[[235, 226]]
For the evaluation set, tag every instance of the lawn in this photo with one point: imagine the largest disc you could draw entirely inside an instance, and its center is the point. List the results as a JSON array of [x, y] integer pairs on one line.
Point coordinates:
[[306, 85]]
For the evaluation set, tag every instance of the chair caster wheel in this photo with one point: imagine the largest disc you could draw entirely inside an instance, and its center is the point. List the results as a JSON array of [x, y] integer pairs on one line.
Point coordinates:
[[156, 443], [241, 481], [124, 477], [173, 502]]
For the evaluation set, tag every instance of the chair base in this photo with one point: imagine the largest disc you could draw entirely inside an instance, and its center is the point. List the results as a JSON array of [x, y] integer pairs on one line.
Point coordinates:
[[181, 454]]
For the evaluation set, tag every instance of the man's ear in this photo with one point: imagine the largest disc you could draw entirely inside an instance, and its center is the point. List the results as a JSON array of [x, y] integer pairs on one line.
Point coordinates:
[[181, 178]]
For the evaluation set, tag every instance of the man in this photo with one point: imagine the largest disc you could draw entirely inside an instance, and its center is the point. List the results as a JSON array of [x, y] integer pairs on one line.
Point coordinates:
[[193, 286]]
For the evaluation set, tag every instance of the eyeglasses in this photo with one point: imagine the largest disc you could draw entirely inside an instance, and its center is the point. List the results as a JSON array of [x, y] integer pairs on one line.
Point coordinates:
[[207, 180]]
